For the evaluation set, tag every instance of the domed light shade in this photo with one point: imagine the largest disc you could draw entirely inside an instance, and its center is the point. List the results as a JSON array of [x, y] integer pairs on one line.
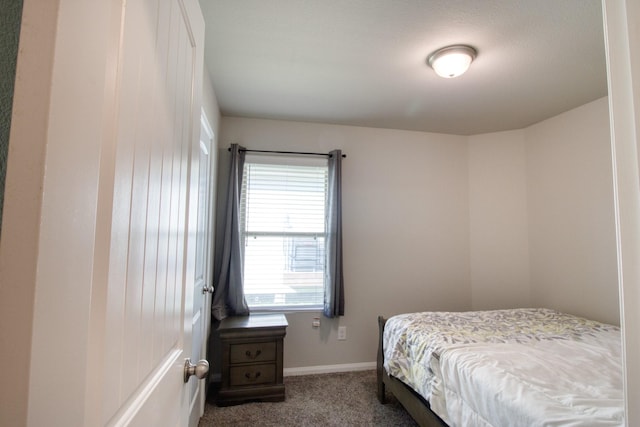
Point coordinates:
[[451, 61]]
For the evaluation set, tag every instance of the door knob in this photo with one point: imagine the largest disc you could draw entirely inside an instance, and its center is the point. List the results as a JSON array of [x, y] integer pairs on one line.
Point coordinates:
[[206, 289], [200, 369]]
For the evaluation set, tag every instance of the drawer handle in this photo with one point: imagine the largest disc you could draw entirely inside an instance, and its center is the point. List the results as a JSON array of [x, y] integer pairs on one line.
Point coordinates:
[[250, 356], [254, 377]]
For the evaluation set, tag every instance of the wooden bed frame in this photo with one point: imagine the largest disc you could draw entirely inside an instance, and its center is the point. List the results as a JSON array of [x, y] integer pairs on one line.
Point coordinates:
[[415, 404]]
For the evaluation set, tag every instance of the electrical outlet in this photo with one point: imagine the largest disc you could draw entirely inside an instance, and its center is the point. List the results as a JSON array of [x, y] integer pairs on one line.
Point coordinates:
[[342, 333], [315, 322]]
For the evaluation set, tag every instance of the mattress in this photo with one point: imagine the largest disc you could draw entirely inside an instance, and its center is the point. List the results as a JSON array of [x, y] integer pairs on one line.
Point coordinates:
[[509, 367]]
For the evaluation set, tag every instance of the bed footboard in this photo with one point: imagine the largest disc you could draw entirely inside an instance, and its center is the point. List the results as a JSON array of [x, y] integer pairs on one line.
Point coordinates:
[[415, 405], [380, 361]]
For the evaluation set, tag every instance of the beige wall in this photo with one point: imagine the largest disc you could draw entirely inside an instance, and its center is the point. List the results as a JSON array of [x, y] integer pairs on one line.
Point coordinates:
[[572, 243], [499, 248], [406, 228], [542, 226], [442, 222]]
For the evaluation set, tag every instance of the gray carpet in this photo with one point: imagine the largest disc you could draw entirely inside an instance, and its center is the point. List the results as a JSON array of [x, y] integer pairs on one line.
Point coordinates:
[[343, 399]]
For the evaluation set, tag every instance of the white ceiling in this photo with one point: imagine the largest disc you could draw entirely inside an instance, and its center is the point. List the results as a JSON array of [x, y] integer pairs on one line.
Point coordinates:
[[362, 62]]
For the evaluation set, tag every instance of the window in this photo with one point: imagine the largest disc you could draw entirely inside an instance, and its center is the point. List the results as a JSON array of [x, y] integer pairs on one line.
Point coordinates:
[[283, 227]]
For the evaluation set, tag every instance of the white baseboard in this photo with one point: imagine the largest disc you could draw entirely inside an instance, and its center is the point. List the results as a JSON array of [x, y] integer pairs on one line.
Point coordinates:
[[328, 369]]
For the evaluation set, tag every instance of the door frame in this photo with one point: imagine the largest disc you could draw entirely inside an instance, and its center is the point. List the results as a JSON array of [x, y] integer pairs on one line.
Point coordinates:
[[622, 44], [210, 245]]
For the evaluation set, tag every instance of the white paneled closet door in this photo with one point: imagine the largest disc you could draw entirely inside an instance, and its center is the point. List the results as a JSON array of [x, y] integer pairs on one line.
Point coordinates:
[[202, 282]]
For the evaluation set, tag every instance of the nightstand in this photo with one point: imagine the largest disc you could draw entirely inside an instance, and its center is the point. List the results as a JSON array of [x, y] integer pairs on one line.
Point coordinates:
[[251, 358]]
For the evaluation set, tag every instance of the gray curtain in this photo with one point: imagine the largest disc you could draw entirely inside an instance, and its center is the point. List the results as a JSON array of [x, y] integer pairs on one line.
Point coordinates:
[[334, 281], [228, 297]]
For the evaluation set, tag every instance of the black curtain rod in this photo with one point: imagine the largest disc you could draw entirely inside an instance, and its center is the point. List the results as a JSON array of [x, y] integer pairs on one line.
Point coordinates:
[[285, 152]]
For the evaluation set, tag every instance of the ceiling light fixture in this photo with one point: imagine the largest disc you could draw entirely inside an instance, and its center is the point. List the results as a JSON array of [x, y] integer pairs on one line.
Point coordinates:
[[452, 61]]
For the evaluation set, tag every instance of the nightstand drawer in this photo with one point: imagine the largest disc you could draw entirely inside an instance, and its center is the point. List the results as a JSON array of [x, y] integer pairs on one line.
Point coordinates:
[[252, 375], [252, 352]]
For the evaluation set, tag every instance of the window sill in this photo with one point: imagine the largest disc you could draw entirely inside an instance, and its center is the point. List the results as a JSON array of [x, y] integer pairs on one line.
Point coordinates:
[[266, 310]]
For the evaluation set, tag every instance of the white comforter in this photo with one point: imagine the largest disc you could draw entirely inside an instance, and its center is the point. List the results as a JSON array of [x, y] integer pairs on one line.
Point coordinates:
[[548, 383], [521, 367]]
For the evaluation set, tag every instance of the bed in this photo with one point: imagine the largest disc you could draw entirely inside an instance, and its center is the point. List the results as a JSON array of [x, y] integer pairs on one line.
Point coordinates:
[[519, 367]]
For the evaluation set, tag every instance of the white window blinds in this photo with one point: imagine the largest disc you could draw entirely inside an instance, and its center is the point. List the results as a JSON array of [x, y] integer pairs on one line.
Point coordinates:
[[283, 224]]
